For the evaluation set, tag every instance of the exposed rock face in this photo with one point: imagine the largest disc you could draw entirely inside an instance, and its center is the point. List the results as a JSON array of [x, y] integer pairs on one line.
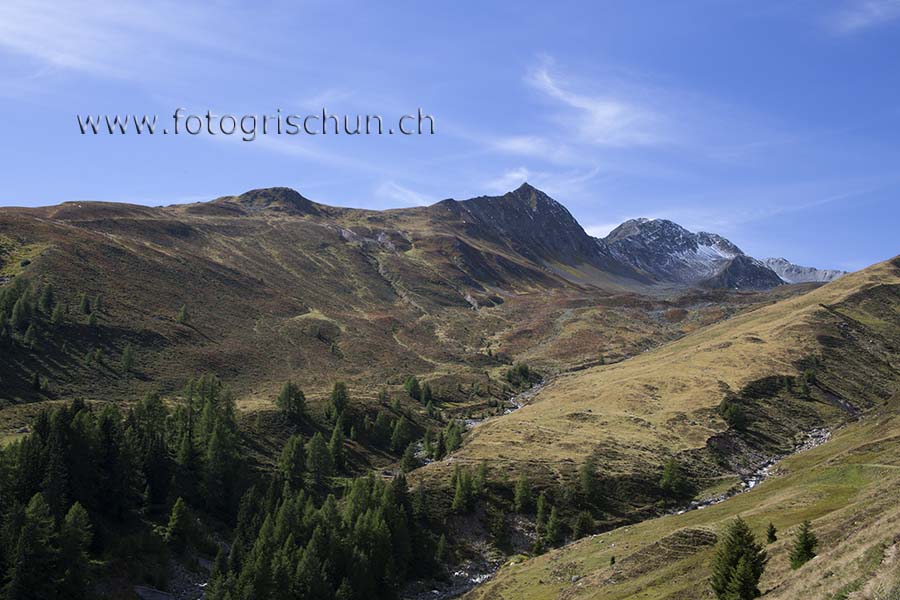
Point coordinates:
[[792, 273], [534, 225], [673, 254], [744, 273]]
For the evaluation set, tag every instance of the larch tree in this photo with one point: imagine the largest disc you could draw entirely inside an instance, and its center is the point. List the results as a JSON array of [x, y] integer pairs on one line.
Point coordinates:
[[178, 530], [292, 462], [318, 459], [292, 402], [75, 540]]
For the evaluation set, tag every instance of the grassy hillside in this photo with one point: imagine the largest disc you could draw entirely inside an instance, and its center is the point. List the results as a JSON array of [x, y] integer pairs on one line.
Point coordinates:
[[815, 360], [842, 338], [848, 487], [278, 288]]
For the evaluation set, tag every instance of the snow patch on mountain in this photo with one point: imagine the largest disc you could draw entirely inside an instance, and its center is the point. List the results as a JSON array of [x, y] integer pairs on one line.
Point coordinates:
[[673, 254]]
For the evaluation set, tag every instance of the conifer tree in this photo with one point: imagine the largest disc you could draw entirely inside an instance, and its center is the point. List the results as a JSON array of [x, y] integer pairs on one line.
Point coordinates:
[[187, 464], [440, 447], [462, 497], [92, 320], [183, 317], [336, 447], [427, 396], [20, 316], [412, 387], [220, 564], [318, 459], [453, 437], [75, 540], [744, 583], [55, 484], [84, 305], [381, 432], [541, 511], [402, 434], [113, 465], [35, 555], [255, 580], [738, 564], [587, 480], [500, 531], [218, 471], [428, 443], [292, 462], [409, 462], [291, 402], [179, 529], [98, 303], [481, 478], [771, 534], [553, 535], [673, 482], [308, 578], [804, 546], [522, 497], [340, 397]]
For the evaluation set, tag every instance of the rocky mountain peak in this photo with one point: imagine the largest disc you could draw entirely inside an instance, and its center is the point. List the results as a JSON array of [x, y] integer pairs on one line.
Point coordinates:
[[280, 199], [792, 273], [673, 254]]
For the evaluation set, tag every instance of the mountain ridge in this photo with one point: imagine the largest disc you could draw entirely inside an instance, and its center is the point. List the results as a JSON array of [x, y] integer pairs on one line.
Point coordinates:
[[673, 254], [793, 273], [527, 222]]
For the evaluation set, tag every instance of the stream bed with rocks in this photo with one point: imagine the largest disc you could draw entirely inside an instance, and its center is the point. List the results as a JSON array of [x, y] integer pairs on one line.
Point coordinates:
[[471, 574]]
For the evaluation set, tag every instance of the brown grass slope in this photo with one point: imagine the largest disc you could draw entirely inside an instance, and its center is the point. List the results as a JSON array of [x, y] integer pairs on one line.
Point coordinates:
[[848, 486], [632, 416], [280, 287]]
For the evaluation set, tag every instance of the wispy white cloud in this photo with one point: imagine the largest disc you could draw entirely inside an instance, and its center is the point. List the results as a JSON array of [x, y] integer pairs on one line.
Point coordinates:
[[111, 39], [565, 186], [748, 204], [397, 195], [508, 180], [611, 119], [537, 146], [327, 98], [860, 15]]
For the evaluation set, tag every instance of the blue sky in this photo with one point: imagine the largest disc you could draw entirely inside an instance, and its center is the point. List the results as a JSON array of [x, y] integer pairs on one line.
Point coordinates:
[[773, 123]]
